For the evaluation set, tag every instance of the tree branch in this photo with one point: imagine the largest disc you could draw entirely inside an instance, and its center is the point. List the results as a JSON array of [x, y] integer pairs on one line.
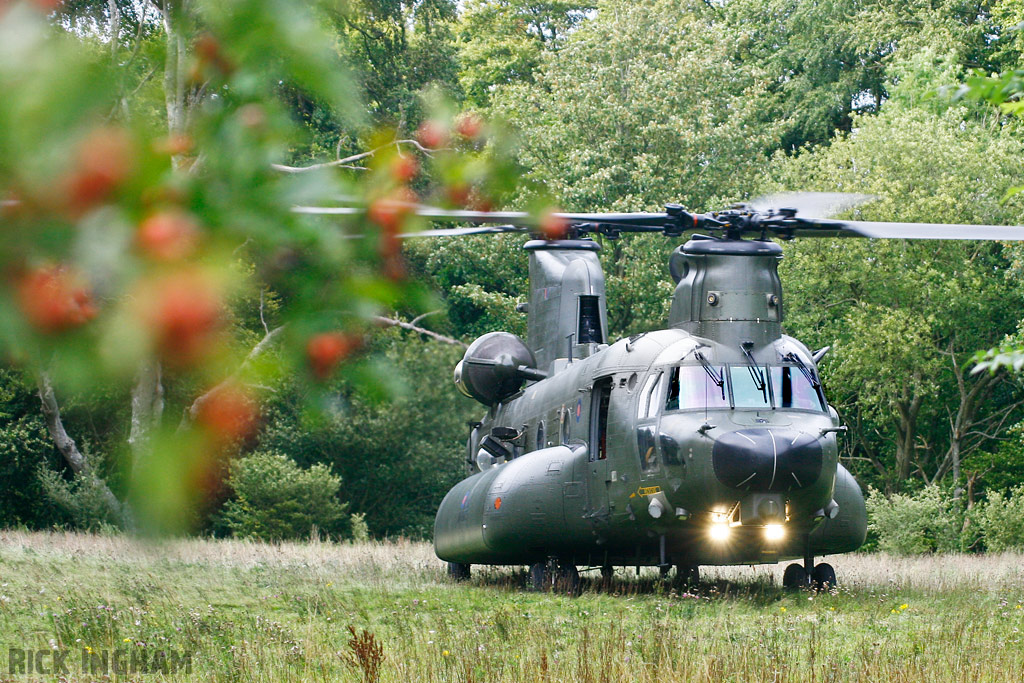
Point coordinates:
[[192, 411], [413, 328], [348, 161]]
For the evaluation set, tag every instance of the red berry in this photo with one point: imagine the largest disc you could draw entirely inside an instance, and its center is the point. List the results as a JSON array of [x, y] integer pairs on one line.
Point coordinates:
[[184, 313], [432, 134], [208, 50], [324, 351], [390, 212], [553, 227], [404, 168], [103, 160], [174, 145], [54, 300], [169, 235], [228, 414], [469, 126], [458, 194]]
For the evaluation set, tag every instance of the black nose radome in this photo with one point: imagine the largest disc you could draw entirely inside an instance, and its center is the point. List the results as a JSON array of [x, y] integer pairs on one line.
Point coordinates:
[[772, 460]]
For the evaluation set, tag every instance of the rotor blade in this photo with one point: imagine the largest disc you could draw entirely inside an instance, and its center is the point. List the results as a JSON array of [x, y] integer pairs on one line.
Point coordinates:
[[521, 218], [811, 204], [478, 230], [912, 231], [639, 219], [935, 231], [431, 212]]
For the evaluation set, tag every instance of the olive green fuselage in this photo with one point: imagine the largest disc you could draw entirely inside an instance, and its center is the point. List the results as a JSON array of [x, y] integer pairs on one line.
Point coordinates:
[[710, 442], [559, 498]]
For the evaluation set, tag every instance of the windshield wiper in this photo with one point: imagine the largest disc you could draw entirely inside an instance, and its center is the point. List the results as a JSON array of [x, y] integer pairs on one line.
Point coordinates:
[[795, 360], [755, 371], [715, 377]]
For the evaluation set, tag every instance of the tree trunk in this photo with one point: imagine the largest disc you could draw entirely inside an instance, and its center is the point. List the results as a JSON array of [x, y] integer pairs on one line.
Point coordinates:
[[906, 428], [69, 449], [147, 408]]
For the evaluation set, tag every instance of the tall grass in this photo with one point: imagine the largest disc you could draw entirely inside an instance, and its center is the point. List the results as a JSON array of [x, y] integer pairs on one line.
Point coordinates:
[[272, 612]]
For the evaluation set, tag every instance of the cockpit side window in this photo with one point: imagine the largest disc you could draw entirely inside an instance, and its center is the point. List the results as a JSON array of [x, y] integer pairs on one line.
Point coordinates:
[[647, 402]]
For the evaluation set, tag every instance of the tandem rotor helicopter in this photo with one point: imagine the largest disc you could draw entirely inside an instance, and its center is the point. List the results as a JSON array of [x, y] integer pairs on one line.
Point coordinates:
[[709, 442]]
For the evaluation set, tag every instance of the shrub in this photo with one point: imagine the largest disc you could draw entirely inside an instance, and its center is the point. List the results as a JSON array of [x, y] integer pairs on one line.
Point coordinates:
[[913, 524], [84, 501], [1001, 520], [274, 499]]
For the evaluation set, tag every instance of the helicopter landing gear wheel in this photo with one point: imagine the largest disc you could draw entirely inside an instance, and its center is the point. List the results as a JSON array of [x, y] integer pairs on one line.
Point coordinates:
[[824, 577], [567, 579], [539, 578], [557, 577], [794, 577], [688, 575], [458, 571]]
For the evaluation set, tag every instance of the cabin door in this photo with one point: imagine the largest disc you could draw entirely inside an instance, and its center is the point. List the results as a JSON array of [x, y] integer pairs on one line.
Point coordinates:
[[597, 453]]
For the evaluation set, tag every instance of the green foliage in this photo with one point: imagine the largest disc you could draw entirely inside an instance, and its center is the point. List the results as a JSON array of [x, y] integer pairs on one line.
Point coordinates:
[[274, 499], [502, 41], [481, 278], [641, 104], [399, 457], [928, 521], [24, 446], [1001, 520], [396, 49], [904, 318], [829, 60], [82, 501]]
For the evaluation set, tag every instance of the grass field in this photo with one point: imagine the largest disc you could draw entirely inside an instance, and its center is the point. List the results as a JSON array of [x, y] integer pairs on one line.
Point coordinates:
[[254, 612]]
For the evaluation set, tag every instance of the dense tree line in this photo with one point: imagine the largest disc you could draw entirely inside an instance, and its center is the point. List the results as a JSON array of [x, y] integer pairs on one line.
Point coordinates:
[[615, 105]]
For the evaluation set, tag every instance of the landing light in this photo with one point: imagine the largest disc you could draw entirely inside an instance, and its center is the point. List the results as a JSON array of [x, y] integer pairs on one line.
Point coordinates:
[[719, 532], [774, 532]]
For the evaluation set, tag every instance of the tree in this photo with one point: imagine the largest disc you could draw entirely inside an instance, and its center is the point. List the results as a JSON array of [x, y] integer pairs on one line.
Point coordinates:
[[398, 456], [274, 499], [501, 42], [158, 257], [905, 318], [828, 60]]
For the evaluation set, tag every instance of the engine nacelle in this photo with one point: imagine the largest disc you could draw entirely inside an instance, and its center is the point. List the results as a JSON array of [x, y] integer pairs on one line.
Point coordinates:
[[494, 367]]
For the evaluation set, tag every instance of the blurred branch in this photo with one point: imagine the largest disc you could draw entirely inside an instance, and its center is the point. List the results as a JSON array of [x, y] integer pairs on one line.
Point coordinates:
[[348, 161], [413, 328], [421, 316], [192, 411]]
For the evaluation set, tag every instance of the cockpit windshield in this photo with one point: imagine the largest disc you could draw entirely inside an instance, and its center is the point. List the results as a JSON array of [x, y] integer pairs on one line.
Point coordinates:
[[791, 388], [694, 387]]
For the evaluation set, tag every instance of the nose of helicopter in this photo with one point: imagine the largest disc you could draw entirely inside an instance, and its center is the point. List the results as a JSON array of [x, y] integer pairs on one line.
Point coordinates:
[[772, 460]]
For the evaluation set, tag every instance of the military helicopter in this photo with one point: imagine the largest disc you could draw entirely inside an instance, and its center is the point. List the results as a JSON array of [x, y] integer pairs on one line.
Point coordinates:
[[709, 442]]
